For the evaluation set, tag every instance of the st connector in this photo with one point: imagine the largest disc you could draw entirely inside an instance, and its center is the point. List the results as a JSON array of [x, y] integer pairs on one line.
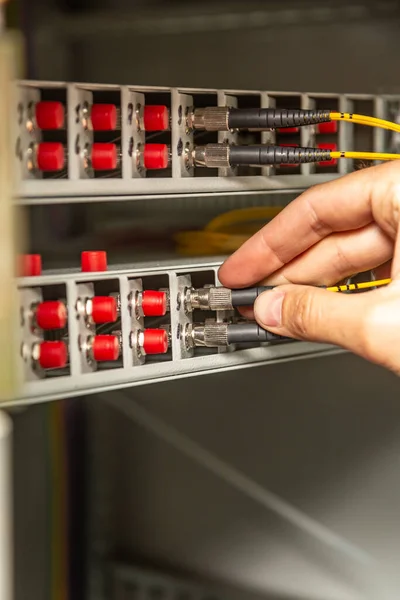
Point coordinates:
[[221, 298], [212, 334], [224, 155], [208, 335], [224, 118], [212, 156], [207, 298], [213, 118]]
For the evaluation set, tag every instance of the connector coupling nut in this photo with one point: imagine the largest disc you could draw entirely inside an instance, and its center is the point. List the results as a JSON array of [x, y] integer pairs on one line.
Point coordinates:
[[212, 118], [213, 156], [210, 335], [212, 298]]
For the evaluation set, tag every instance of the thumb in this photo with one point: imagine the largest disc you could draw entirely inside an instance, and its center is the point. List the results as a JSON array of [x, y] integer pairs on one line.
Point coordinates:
[[366, 324]]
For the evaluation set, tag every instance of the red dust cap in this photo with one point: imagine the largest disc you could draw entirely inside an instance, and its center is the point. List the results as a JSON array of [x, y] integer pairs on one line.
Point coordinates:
[[103, 117], [49, 115], [104, 309], [51, 314], [53, 355], [327, 128], [92, 261], [105, 347], [155, 341], [30, 265], [104, 156], [154, 303], [155, 156], [50, 156], [156, 118]]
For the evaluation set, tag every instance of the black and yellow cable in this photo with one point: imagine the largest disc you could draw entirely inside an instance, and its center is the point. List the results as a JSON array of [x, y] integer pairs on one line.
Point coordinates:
[[247, 296], [272, 118], [264, 154], [363, 285]]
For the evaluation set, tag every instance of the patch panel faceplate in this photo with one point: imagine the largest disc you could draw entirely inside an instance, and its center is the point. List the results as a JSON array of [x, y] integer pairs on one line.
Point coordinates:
[[82, 374], [80, 141]]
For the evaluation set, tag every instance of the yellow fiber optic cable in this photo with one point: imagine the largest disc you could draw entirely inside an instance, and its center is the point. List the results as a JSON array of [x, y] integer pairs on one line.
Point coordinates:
[[358, 286], [226, 232], [364, 120], [365, 155]]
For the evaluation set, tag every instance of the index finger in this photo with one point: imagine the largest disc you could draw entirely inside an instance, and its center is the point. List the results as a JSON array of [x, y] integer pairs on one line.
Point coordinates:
[[340, 205]]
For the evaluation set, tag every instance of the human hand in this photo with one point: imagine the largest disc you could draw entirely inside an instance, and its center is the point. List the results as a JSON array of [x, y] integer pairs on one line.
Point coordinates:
[[329, 233]]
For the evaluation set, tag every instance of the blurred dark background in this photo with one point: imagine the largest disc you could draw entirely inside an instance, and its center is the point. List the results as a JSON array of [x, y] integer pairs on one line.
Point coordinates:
[[321, 434], [297, 45]]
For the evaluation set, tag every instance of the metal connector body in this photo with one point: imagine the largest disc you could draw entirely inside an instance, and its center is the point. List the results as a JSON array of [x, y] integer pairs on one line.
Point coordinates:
[[213, 156], [209, 335], [210, 298], [213, 118]]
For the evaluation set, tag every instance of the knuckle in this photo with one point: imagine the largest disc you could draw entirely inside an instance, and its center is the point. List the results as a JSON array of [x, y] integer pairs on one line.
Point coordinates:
[[317, 225], [342, 261], [301, 317], [393, 207], [387, 208]]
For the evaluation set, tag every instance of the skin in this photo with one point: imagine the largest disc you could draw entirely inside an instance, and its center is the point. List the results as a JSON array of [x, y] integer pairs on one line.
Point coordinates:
[[327, 234]]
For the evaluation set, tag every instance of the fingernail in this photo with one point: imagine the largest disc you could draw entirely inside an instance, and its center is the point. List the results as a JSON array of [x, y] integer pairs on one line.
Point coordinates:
[[268, 308]]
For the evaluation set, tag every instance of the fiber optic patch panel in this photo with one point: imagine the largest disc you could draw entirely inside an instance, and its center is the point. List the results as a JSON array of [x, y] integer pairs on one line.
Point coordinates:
[[100, 329], [103, 328], [114, 142]]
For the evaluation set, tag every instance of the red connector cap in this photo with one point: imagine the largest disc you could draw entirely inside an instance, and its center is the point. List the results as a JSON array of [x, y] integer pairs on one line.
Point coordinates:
[[104, 156], [104, 309], [156, 118], [92, 261], [30, 265], [154, 304], [328, 127], [50, 156], [155, 156], [288, 130], [103, 117], [105, 348], [52, 355], [49, 115], [333, 161], [155, 341], [51, 314]]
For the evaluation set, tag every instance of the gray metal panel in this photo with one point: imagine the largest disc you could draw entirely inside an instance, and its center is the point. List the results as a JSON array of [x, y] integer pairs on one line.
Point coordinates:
[[78, 182], [82, 379]]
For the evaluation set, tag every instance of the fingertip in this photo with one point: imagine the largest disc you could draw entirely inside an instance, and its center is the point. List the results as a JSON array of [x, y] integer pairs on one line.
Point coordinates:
[[268, 308], [230, 273], [221, 274]]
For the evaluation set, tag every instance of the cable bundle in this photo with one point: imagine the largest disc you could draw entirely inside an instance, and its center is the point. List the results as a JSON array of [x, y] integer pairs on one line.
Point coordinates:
[[226, 233], [261, 119]]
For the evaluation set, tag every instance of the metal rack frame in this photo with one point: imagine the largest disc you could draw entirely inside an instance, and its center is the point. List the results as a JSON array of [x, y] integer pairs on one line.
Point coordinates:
[[132, 183], [83, 378]]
